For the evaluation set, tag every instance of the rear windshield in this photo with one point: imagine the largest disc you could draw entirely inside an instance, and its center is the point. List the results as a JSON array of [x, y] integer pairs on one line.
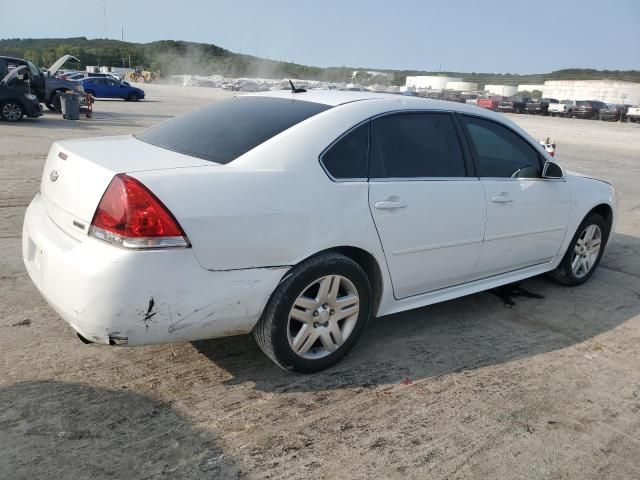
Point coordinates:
[[225, 130]]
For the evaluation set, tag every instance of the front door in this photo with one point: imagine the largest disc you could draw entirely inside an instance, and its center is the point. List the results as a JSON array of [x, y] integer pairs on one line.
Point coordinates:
[[429, 214], [527, 215]]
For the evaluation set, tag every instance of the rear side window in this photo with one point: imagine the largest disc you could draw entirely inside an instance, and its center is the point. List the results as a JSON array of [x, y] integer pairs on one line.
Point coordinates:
[[348, 157], [223, 131], [413, 145], [501, 152]]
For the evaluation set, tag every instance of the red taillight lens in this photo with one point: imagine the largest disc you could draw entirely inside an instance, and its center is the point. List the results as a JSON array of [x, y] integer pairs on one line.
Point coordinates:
[[129, 215]]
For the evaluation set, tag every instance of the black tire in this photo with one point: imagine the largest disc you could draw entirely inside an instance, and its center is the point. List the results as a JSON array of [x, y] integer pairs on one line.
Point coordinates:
[[133, 97], [568, 114], [56, 101], [272, 330], [564, 274], [11, 111]]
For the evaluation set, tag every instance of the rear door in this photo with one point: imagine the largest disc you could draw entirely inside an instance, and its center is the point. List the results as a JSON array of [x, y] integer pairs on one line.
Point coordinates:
[[527, 215], [429, 213]]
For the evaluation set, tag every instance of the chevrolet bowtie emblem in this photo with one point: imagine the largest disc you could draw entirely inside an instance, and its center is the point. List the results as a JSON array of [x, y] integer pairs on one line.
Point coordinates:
[[53, 176]]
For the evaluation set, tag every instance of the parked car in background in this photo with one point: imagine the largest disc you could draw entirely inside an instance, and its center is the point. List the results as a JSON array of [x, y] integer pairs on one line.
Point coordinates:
[[539, 107], [470, 99], [614, 112], [633, 114], [513, 105], [588, 109], [563, 107], [109, 87], [81, 75], [152, 238], [14, 102], [45, 85], [490, 103]]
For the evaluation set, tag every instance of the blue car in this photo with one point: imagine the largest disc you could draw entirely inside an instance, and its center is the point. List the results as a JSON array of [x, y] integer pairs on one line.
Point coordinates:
[[107, 87]]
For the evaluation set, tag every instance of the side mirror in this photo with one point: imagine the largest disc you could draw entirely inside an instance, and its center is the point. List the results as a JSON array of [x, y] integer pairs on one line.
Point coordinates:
[[552, 170]]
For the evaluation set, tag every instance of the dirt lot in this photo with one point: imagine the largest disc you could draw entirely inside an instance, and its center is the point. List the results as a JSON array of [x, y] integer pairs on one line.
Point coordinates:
[[549, 388]]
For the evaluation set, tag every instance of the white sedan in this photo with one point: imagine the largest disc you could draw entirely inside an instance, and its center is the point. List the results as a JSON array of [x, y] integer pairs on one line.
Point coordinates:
[[298, 216]]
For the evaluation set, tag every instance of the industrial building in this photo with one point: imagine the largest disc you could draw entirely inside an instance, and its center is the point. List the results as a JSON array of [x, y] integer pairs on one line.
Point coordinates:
[[608, 91]]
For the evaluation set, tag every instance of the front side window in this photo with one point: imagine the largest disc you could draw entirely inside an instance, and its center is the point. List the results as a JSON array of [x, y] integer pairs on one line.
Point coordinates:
[[415, 145], [500, 152], [349, 156]]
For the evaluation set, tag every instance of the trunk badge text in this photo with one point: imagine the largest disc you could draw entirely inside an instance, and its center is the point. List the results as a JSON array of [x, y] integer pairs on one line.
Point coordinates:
[[53, 176]]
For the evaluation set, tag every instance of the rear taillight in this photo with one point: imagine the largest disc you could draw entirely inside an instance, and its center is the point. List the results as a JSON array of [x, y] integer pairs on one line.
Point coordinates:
[[130, 216]]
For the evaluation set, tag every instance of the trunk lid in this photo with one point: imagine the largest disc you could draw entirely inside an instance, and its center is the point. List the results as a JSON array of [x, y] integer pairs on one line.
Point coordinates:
[[12, 74], [77, 173]]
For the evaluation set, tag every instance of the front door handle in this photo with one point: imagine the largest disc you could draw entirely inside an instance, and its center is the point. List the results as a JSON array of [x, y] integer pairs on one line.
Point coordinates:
[[502, 198], [388, 205]]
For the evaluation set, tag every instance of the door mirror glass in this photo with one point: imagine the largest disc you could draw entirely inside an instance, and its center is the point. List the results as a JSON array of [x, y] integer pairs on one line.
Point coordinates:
[[552, 170]]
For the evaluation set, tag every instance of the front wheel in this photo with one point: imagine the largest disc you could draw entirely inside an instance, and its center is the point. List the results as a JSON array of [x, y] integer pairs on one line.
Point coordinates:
[[11, 111], [133, 97], [584, 252], [316, 314]]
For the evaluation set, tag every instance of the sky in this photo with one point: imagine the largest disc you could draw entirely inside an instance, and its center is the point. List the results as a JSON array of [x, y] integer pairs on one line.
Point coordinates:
[[497, 36]]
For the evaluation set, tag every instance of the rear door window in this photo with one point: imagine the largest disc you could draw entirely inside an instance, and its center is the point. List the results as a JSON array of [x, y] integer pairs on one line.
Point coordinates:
[[415, 145], [223, 131], [499, 151], [348, 157]]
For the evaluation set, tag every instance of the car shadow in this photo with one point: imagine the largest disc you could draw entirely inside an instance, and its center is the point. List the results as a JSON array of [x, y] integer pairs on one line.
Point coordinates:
[[488, 328], [61, 430]]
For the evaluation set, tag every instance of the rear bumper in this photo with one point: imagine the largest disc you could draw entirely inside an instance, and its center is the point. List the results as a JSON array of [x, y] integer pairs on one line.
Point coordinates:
[[146, 297]]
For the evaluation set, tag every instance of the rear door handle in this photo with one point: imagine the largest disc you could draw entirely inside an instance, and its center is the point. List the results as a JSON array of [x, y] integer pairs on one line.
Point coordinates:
[[502, 198], [387, 205]]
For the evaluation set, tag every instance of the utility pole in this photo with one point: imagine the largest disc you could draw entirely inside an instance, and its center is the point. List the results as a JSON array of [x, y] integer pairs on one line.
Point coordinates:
[[104, 12], [122, 33]]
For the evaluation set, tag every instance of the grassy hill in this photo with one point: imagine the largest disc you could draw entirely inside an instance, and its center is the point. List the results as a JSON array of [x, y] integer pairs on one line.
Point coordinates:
[[171, 57]]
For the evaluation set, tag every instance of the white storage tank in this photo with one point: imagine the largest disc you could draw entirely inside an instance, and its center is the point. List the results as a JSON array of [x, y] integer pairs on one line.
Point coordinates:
[[429, 82], [504, 90], [460, 86]]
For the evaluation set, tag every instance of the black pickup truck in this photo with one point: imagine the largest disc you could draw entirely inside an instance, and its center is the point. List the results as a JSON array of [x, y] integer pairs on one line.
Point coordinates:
[[514, 105], [540, 107]]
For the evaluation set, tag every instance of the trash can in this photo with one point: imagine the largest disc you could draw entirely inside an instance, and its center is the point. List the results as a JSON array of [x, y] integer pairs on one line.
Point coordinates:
[[70, 103]]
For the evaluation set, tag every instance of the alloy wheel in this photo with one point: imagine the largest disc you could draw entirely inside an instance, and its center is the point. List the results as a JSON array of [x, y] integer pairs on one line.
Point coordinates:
[[323, 316], [11, 112], [586, 250]]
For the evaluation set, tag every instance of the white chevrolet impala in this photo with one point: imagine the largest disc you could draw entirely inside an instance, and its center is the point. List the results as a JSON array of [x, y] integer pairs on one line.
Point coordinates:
[[298, 216]]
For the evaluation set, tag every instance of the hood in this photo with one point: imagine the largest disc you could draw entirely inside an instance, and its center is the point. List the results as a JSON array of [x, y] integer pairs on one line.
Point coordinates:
[[12, 74], [57, 65]]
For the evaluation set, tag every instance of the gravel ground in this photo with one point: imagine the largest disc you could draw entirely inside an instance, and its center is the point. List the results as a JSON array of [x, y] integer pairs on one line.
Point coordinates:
[[548, 388]]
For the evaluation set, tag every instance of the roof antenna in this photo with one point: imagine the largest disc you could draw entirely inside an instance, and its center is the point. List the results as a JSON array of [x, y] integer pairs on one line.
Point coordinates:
[[294, 89]]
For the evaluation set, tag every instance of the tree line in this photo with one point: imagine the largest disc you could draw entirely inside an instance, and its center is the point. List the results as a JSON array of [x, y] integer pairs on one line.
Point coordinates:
[[174, 57]]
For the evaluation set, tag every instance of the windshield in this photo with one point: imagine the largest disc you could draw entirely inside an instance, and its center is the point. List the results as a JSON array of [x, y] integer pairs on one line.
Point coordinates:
[[223, 131]]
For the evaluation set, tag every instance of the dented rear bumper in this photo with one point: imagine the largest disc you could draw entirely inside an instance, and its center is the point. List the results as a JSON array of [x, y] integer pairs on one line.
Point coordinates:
[[116, 296]]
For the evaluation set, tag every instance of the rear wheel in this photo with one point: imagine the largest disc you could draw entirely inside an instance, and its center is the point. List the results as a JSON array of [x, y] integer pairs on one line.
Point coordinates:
[[316, 314], [584, 252], [11, 111]]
